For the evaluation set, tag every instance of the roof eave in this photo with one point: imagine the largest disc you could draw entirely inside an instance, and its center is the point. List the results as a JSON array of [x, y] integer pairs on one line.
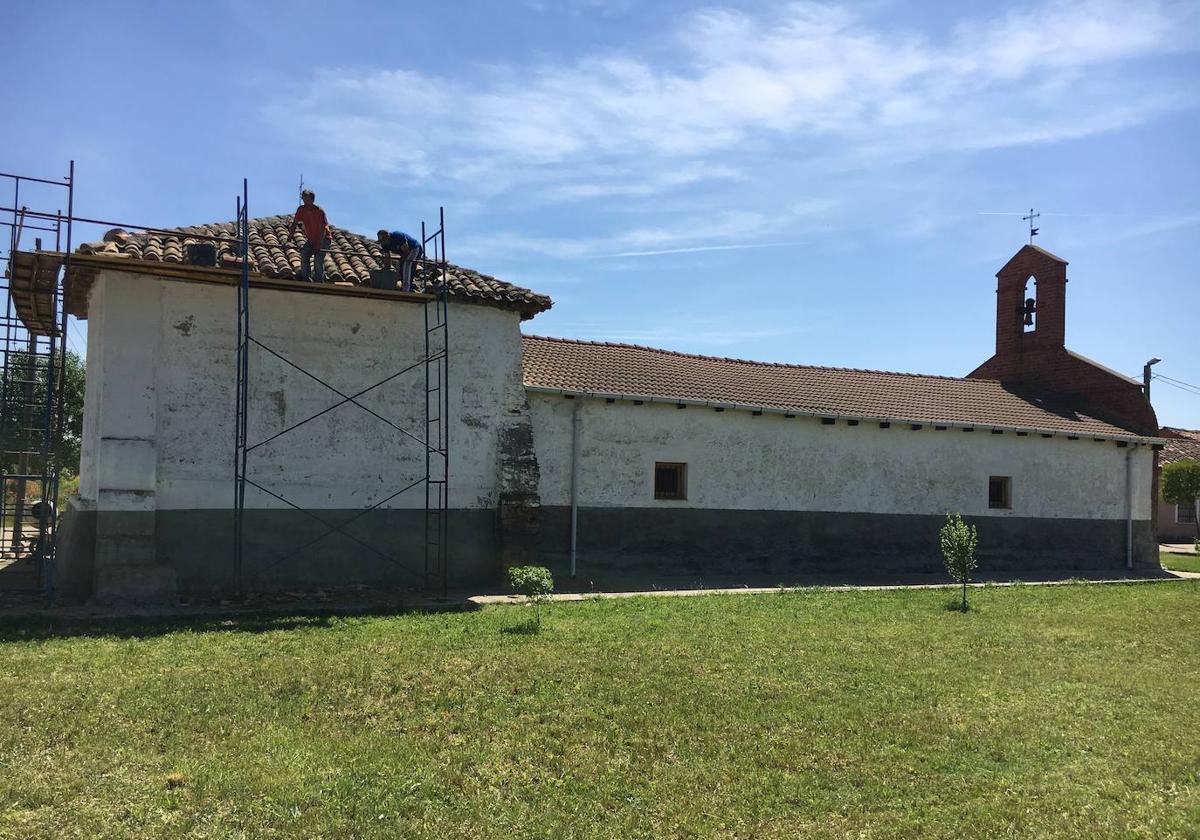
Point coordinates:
[[836, 415], [219, 274]]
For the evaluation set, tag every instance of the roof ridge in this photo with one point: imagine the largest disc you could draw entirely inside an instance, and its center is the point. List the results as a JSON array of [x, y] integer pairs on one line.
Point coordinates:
[[286, 218], [275, 254], [788, 365]]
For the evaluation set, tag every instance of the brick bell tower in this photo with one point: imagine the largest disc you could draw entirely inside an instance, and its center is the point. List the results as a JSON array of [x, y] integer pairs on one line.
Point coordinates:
[[1031, 353], [1031, 304]]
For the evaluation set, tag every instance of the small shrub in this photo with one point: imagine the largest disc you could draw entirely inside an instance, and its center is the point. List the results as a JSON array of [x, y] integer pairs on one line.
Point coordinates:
[[958, 541], [535, 583]]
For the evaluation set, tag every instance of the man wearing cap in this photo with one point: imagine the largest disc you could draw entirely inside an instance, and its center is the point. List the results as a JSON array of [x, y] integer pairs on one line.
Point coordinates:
[[409, 250], [317, 236]]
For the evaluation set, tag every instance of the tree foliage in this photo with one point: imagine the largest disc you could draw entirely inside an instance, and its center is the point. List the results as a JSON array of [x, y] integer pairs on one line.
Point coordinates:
[[1181, 485], [958, 541], [535, 583], [22, 414]]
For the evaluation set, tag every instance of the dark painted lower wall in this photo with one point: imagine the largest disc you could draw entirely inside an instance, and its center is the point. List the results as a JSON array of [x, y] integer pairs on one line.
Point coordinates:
[[286, 549], [688, 542], [75, 550]]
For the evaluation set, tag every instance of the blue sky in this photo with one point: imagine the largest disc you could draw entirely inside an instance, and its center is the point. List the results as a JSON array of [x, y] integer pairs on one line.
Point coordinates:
[[813, 183]]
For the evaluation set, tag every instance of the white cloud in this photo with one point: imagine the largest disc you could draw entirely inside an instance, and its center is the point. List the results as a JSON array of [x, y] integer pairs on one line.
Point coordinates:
[[729, 230], [813, 85]]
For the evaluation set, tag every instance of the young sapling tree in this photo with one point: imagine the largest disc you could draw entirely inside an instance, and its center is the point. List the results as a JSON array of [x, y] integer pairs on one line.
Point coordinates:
[[958, 541], [536, 584]]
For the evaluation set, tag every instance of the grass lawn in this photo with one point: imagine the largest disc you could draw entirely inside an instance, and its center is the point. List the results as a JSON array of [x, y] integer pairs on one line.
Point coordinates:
[[1046, 712], [1180, 562]]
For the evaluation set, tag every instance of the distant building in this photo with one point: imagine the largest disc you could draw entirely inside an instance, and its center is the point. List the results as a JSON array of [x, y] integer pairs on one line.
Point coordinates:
[[1176, 523], [614, 460]]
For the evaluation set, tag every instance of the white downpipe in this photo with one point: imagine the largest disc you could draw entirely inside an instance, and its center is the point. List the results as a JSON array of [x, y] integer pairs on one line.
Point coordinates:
[[1129, 507], [574, 480]]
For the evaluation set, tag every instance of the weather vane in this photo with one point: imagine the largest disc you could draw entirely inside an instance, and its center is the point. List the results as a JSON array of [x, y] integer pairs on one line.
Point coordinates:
[[1032, 230]]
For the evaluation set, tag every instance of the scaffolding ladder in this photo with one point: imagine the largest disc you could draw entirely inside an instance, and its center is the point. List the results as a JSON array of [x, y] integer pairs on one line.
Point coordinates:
[[434, 437], [32, 373]]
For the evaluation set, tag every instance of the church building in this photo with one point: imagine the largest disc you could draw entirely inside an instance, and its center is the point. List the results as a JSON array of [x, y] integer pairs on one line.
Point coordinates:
[[609, 462]]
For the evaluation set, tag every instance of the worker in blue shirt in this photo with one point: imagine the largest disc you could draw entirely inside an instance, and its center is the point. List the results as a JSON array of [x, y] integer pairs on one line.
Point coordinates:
[[407, 248]]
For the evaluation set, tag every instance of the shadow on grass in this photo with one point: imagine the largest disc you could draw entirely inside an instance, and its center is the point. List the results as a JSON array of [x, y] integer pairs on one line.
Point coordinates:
[[42, 627], [524, 628], [958, 607]]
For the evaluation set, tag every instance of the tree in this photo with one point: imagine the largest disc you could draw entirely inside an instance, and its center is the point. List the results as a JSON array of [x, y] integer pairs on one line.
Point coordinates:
[[536, 584], [1181, 486], [22, 403], [958, 541]]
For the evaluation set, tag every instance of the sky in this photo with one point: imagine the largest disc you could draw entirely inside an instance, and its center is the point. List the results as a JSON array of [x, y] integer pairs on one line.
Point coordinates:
[[816, 183]]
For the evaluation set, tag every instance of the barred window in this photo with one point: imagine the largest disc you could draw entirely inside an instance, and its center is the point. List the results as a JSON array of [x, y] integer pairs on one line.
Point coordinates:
[[1000, 492], [670, 480]]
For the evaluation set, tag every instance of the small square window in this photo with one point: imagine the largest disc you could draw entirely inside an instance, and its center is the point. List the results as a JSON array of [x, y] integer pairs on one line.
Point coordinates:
[[1185, 515], [1000, 492], [670, 481]]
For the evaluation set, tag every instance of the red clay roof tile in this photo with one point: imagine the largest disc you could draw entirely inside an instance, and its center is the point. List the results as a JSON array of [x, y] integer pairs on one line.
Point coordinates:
[[1180, 445], [635, 371], [275, 253]]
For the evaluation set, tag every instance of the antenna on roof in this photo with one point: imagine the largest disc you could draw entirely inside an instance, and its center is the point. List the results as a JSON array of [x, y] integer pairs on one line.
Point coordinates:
[[1032, 230], [301, 187]]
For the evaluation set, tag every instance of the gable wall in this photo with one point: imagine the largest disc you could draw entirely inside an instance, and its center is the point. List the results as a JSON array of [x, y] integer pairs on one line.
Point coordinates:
[[159, 427]]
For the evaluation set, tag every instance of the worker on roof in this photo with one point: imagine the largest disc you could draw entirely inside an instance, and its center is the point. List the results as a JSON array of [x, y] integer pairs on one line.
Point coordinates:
[[317, 237], [409, 250]]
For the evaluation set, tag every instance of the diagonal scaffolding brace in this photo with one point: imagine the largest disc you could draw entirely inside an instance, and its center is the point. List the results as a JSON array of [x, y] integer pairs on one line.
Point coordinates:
[[433, 438]]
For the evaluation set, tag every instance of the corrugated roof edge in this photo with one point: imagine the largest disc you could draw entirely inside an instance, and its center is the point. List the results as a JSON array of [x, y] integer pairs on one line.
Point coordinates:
[[796, 412]]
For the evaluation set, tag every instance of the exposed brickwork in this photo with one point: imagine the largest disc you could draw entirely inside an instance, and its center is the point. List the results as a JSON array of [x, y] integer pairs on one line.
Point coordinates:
[[1038, 363]]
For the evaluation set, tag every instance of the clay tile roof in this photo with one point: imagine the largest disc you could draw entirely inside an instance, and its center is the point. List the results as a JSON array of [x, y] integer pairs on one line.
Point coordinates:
[[632, 371], [274, 253], [1180, 445]]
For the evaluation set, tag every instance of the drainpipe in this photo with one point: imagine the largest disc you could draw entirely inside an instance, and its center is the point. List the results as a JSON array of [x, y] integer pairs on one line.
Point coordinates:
[[1129, 506], [574, 480]]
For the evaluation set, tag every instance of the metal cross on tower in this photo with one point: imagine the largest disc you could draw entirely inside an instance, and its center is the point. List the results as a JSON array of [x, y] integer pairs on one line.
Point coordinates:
[[1032, 230]]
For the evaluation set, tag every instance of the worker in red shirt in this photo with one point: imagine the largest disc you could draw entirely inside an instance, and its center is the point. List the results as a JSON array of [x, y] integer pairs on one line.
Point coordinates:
[[317, 237]]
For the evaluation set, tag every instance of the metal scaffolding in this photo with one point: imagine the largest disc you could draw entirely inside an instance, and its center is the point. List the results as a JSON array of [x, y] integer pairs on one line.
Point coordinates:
[[33, 361], [429, 571]]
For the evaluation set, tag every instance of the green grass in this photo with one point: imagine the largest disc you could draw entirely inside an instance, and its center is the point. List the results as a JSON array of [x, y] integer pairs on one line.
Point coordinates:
[[1179, 562], [1044, 712]]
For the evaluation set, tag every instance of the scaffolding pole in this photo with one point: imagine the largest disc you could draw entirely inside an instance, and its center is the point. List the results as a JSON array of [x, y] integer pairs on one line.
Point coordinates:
[[434, 439], [33, 375]]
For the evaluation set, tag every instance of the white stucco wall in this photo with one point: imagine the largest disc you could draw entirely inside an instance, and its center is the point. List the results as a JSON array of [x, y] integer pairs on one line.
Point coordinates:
[[159, 415], [743, 462]]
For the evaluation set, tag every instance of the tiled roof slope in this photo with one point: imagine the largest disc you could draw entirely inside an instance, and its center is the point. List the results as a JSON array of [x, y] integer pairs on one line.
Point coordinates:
[[274, 253], [634, 371], [1181, 445]]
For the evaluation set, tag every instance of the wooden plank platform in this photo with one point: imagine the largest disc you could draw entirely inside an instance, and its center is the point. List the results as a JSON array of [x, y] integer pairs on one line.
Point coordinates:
[[33, 276]]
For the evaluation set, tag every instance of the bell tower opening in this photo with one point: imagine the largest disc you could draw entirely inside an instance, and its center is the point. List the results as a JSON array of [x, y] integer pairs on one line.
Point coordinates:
[[1028, 310]]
